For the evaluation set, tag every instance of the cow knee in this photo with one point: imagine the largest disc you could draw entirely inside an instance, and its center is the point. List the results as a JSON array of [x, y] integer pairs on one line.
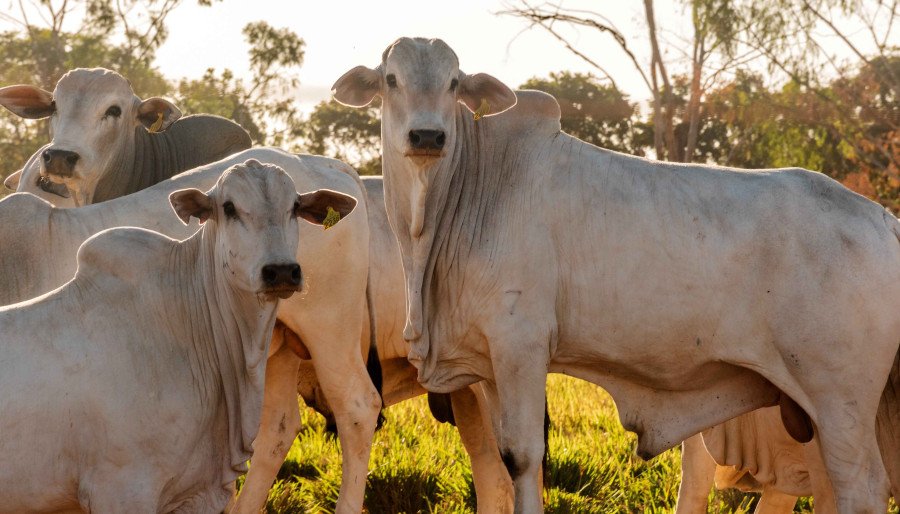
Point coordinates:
[[522, 459], [515, 464]]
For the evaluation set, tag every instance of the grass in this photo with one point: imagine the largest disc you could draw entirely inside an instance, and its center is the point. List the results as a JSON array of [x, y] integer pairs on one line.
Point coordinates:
[[419, 465]]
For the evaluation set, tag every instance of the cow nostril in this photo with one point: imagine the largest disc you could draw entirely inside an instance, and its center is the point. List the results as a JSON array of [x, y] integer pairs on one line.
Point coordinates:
[[414, 138], [440, 140], [295, 274], [46, 156], [269, 274], [72, 159]]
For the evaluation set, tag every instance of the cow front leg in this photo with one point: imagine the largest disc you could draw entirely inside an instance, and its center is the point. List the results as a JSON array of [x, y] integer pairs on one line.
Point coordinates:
[[852, 459], [518, 395], [698, 471], [493, 486], [355, 404], [774, 501], [279, 425]]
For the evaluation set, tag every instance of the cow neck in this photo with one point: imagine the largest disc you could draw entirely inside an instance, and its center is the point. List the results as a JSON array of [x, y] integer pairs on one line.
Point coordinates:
[[135, 167], [460, 190], [229, 335], [152, 157]]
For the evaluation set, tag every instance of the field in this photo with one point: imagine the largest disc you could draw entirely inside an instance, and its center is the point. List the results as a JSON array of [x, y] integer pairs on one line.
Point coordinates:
[[419, 465]]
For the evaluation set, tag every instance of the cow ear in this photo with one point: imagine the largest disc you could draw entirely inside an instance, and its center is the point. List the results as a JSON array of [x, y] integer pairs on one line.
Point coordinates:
[[324, 207], [484, 95], [12, 181], [27, 101], [157, 114], [190, 203], [357, 87]]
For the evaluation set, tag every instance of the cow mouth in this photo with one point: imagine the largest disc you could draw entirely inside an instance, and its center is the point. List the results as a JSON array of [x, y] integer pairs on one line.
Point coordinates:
[[424, 152], [48, 186], [279, 292]]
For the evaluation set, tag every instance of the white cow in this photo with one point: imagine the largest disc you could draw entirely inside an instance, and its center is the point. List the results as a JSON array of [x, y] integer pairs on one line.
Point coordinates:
[[691, 293], [493, 487], [107, 142], [137, 386], [40, 243]]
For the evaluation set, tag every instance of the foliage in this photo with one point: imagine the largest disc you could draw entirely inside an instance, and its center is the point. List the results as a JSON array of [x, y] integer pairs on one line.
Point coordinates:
[[347, 133]]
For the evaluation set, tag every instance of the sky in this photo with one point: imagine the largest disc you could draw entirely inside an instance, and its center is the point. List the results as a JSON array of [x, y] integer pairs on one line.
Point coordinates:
[[342, 34]]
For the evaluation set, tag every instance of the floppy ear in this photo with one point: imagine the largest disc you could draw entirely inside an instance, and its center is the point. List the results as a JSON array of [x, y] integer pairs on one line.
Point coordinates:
[[191, 203], [313, 207], [12, 181], [357, 87], [481, 87], [157, 114], [27, 101]]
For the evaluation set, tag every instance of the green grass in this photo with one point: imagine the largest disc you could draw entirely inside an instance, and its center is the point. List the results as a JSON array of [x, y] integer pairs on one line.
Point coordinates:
[[419, 465]]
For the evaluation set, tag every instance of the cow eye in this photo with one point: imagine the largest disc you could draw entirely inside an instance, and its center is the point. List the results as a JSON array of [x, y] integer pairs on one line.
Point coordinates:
[[229, 210], [453, 84], [391, 80], [115, 111]]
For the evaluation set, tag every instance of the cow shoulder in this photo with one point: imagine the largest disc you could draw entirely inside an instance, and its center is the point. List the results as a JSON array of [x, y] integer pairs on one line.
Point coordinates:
[[129, 254]]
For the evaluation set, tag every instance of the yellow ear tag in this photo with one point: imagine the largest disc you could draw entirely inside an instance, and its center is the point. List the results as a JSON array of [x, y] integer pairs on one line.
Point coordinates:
[[157, 124], [483, 110], [331, 218]]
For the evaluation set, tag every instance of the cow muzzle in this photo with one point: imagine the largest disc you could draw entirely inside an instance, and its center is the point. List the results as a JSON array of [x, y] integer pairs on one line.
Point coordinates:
[[281, 280], [59, 163], [426, 143]]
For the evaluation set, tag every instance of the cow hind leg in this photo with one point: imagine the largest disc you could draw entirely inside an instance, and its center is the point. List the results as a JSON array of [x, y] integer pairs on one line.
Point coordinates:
[[493, 487], [279, 425], [698, 470]]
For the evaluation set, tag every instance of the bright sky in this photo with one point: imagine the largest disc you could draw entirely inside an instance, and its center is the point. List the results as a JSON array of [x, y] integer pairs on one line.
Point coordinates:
[[341, 34]]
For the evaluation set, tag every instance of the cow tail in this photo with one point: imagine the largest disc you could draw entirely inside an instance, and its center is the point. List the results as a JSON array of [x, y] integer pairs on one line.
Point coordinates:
[[888, 418]]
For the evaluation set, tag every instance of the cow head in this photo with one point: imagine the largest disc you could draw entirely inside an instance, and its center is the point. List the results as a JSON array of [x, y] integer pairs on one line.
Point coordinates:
[[93, 116], [420, 84], [251, 219]]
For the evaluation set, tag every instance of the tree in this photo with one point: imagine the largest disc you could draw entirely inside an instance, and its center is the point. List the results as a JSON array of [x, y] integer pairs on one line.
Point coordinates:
[[346, 133], [264, 106], [121, 35], [594, 112], [715, 31]]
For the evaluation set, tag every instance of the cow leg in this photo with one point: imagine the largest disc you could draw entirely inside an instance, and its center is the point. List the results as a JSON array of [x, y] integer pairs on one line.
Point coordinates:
[[353, 400], [774, 501], [279, 425], [698, 470], [823, 495], [518, 396], [493, 487], [852, 459]]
